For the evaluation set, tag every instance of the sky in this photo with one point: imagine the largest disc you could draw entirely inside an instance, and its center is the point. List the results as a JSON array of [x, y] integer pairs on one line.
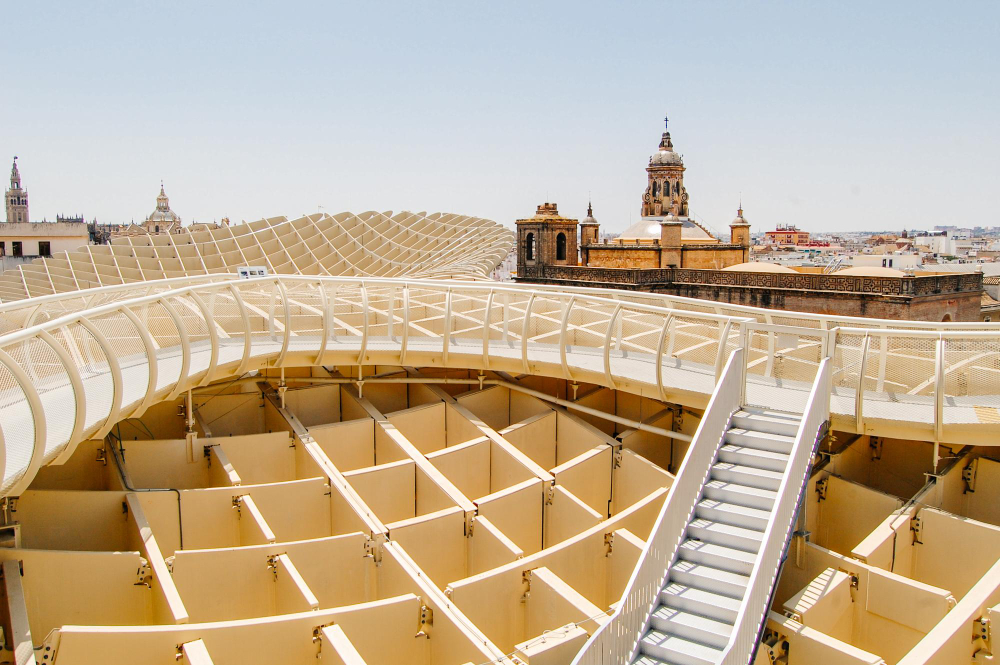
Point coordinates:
[[845, 116]]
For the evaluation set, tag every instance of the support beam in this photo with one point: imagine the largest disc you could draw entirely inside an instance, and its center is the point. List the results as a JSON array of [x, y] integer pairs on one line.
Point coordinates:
[[337, 648], [19, 638], [195, 653], [155, 558], [254, 529]]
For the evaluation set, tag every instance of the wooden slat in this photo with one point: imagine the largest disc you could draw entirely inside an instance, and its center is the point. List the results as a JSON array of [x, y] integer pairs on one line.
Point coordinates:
[[155, 558]]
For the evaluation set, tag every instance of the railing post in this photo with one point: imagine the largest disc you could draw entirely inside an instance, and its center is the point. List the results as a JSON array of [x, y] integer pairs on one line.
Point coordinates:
[[446, 332], [720, 355], [487, 313], [938, 393], [859, 394], [563, 326]]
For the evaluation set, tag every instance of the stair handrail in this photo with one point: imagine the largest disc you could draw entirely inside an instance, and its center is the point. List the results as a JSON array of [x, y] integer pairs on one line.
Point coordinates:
[[617, 641], [750, 620]]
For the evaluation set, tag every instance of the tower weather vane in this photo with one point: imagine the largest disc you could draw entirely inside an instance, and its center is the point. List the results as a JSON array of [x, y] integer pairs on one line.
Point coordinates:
[[666, 121]]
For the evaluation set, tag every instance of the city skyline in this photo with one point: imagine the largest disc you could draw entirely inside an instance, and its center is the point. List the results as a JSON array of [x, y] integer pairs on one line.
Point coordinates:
[[489, 113]]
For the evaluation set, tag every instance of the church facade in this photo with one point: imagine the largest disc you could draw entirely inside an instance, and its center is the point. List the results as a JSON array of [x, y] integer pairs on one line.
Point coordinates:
[[668, 251]]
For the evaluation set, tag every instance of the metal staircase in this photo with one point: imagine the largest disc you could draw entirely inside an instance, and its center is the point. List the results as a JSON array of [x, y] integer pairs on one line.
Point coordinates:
[[708, 579]]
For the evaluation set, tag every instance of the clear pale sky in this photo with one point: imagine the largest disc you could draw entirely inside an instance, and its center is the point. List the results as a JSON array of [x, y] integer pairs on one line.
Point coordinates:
[[833, 116]]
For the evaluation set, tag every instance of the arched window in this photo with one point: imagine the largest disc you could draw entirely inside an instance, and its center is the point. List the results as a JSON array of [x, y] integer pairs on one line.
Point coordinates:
[[529, 250], [655, 188], [561, 247], [677, 188]]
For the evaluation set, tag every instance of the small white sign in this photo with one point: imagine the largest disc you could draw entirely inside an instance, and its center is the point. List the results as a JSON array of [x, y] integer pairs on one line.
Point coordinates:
[[247, 272]]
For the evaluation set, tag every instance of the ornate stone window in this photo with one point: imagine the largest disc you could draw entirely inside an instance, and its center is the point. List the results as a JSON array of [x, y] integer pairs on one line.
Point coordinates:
[[529, 249], [561, 247]]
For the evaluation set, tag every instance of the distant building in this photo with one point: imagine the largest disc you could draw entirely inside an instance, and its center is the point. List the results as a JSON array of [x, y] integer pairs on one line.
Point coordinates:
[[161, 220], [786, 234], [16, 198]]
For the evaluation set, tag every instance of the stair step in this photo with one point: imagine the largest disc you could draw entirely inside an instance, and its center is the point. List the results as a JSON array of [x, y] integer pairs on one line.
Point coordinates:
[[677, 650], [717, 556], [746, 475], [736, 537], [709, 578], [646, 659], [759, 459], [741, 495], [771, 422], [707, 604], [732, 513], [691, 626], [777, 443]]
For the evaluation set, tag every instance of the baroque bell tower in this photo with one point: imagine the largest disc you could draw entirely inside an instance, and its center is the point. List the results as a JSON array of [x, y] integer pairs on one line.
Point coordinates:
[[665, 192], [16, 197]]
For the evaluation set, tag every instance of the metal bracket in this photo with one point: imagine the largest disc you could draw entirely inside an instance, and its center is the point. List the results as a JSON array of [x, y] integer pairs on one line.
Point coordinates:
[[373, 548], [272, 565], [426, 621], [616, 459], [982, 637], [609, 542], [526, 581], [144, 575], [821, 486], [969, 476], [550, 493], [917, 527], [237, 504], [875, 445]]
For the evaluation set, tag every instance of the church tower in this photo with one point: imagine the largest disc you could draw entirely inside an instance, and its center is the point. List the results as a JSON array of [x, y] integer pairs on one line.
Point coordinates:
[[665, 193], [16, 198]]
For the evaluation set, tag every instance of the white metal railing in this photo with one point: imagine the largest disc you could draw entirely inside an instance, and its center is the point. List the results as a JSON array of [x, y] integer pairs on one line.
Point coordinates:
[[617, 641], [757, 598], [111, 353]]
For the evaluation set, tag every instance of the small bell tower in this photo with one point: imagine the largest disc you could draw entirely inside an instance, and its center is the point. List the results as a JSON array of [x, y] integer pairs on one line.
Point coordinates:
[[16, 198]]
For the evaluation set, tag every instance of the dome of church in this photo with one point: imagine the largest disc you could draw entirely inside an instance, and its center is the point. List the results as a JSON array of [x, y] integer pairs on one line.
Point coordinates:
[[589, 219], [757, 266], [163, 213], [666, 158], [649, 227]]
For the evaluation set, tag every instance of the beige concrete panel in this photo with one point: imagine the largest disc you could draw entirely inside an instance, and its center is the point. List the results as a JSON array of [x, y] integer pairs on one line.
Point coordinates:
[[436, 542], [807, 646], [388, 489], [82, 471], [350, 444], [418, 394], [284, 639], [108, 576], [523, 407], [350, 408], [164, 463], [581, 561], [300, 510], [387, 449], [235, 414], [950, 640], [888, 546], [259, 458], [58, 520], [634, 478], [491, 404], [893, 466], [224, 584], [556, 647], [602, 399], [431, 493], [566, 516], [553, 603], [836, 522], [517, 512], [625, 552], [573, 437], [588, 477], [658, 449], [160, 419], [535, 437], [387, 397], [907, 602], [466, 465], [983, 504], [459, 429], [423, 426], [273, 420], [490, 547], [314, 405], [505, 469], [956, 552], [826, 604]]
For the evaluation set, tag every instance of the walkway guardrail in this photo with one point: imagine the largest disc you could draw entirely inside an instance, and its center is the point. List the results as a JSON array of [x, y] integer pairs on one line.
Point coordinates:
[[757, 599], [617, 641]]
